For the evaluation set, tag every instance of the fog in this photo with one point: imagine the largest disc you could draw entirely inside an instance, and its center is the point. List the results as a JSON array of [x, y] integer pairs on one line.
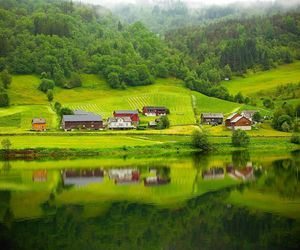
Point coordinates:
[[190, 3]]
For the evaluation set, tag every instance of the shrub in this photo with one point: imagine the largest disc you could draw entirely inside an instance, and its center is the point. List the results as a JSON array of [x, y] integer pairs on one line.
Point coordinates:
[[4, 99], [268, 103], [66, 111], [46, 84], [57, 107], [257, 117], [163, 122], [285, 127], [5, 78], [240, 138], [50, 95], [295, 139], [200, 140]]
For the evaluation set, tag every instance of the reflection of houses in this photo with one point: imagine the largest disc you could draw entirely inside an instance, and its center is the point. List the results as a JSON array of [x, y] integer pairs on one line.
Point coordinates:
[[212, 118], [213, 173], [82, 120], [237, 121], [39, 176], [39, 124], [123, 176], [154, 111], [120, 123], [244, 173], [152, 181], [82, 177], [132, 114]]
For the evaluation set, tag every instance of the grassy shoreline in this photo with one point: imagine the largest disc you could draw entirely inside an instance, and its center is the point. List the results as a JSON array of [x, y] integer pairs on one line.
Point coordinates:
[[28, 146]]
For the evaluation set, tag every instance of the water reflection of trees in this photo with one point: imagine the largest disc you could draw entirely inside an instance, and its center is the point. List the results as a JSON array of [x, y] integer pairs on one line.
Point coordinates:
[[240, 158], [205, 222], [283, 178]]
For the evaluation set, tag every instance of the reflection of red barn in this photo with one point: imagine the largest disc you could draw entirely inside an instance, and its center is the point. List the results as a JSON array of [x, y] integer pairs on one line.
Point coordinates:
[[133, 114], [244, 173]]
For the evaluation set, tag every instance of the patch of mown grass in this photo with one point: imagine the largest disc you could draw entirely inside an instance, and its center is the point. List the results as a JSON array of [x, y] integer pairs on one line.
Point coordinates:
[[264, 80], [13, 120]]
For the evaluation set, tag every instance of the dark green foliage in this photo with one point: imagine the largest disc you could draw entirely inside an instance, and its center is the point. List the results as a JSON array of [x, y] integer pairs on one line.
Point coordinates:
[[57, 107], [257, 117], [295, 139], [200, 140], [113, 80], [4, 99], [46, 84], [74, 81], [239, 98], [66, 111], [268, 103], [163, 122], [5, 78], [240, 138], [50, 95], [282, 121]]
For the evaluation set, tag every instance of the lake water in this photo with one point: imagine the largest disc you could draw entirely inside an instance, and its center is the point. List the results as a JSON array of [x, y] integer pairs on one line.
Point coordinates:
[[235, 201]]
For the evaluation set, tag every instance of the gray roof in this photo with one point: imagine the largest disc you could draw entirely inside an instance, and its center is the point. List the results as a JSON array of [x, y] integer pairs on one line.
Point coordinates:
[[126, 112], [212, 115], [82, 118], [82, 112], [38, 121]]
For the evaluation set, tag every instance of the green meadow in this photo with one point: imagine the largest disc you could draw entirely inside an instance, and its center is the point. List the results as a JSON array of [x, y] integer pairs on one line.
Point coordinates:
[[253, 83]]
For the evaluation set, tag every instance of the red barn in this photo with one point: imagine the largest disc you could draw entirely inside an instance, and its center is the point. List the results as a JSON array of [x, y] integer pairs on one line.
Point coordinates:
[[231, 118], [133, 114]]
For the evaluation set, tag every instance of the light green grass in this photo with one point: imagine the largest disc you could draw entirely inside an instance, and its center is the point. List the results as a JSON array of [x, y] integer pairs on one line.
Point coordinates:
[[18, 118], [265, 80]]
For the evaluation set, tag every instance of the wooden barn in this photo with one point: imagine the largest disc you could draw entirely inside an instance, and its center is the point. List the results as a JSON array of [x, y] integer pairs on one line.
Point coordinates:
[[154, 111], [88, 121], [212, 118], [132, 114], [237, 121], [39, 124]]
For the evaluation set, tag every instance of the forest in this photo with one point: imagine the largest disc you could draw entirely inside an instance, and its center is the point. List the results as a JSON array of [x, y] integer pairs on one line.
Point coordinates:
[[59, 40]]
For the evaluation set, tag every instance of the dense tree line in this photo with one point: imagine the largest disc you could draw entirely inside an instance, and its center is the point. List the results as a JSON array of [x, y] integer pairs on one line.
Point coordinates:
[[228, 47], [57, 38]]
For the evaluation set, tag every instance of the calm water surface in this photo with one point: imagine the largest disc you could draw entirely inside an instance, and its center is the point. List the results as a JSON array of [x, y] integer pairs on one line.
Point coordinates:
[[237, 201]]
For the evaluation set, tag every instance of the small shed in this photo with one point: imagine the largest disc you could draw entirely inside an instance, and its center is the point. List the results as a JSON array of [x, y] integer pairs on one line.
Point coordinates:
[[249, 113], [39, 124], [212, 118]]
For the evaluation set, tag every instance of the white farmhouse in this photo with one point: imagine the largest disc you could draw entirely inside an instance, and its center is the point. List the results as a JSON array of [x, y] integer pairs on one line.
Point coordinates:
[[120, 123]]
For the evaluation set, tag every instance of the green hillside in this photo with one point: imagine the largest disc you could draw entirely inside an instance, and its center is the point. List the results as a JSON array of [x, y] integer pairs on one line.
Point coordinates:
[[253, 83], [96, 96]]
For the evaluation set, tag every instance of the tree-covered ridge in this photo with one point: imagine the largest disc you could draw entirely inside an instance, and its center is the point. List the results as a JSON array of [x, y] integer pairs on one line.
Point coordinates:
[[234, 46], [59, 37]]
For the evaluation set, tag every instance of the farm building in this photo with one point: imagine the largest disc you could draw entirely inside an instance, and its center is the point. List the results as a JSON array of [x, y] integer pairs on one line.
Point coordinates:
[[154, 111], [237, 121], [152, 124], [132, 114], [244, 173], [39, 176], [88, 121], [212, 118], [120, 123], [249, 113], [39, 124]]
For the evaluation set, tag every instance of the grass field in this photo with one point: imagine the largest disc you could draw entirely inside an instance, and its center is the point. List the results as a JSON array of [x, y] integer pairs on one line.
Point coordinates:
[[96, 96], [265, 80]]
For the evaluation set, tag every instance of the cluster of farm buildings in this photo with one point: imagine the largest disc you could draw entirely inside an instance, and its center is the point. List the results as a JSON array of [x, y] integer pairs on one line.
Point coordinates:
[[129, 119], [121, 119]]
